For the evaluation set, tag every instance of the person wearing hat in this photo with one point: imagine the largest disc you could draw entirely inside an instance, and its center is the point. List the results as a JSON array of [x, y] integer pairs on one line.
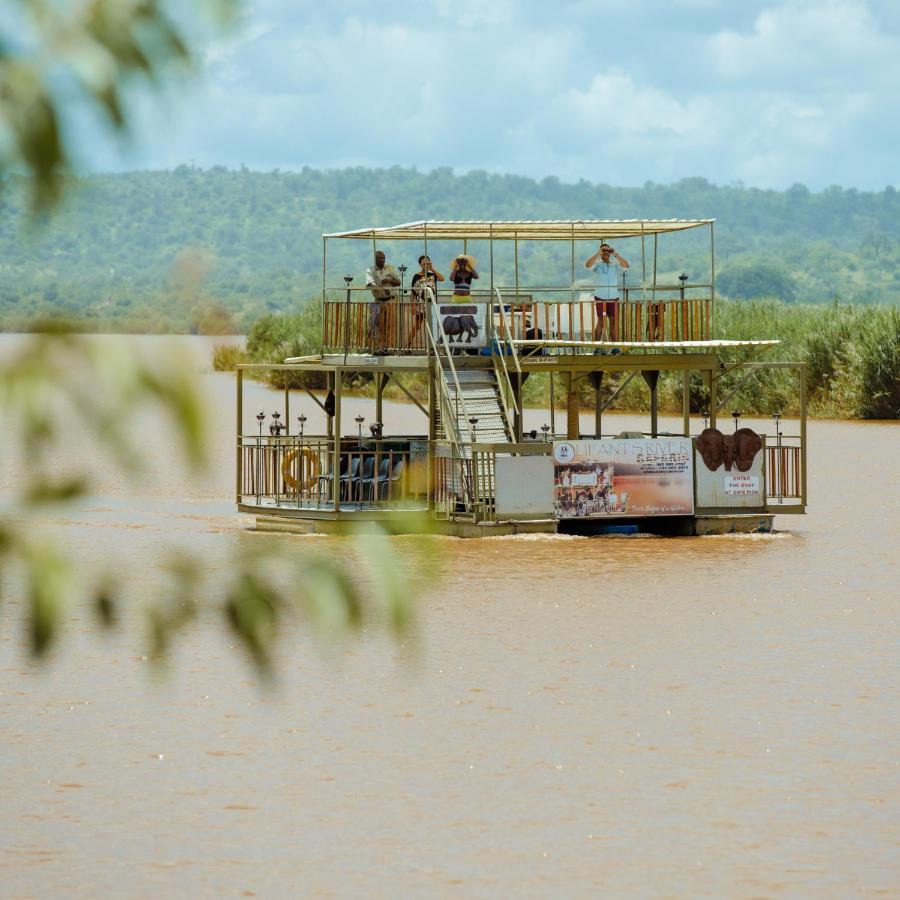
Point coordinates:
[[607, 264], [462, 271]]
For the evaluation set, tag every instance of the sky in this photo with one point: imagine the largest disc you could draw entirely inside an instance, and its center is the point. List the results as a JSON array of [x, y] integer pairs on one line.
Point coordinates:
[[765, 94]]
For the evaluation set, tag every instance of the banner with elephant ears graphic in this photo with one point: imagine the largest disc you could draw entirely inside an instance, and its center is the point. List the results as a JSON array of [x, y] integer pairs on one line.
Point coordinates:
[[463, 323], [729, 469]]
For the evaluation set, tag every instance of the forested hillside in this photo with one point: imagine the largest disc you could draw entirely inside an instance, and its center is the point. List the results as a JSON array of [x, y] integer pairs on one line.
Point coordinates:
[[212, 250]]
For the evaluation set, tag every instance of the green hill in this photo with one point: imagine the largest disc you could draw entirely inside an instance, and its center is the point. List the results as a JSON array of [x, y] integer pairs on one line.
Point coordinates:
[[213, 250]]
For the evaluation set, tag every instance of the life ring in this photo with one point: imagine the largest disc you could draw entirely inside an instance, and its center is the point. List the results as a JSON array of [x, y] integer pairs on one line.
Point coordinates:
[[312, 466]]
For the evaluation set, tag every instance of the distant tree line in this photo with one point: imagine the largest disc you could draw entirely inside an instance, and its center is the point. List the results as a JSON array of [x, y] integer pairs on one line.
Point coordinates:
[[212, 251]]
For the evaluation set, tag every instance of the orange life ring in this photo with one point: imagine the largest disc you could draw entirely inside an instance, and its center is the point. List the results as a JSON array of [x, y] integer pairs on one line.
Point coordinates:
[[312, 466]]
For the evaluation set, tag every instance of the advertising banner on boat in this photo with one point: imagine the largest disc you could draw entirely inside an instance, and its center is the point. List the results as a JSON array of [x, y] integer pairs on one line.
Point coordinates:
[[463, 323], [623, 477], [730, 470]]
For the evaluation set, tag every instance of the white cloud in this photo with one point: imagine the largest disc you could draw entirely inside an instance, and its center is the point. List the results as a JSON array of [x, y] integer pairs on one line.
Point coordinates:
[[769, 92], [807, 46]]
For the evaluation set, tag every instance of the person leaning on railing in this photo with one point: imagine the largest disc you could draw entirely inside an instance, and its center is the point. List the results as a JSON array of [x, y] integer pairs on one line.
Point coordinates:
[[381, 279], [606, 264]]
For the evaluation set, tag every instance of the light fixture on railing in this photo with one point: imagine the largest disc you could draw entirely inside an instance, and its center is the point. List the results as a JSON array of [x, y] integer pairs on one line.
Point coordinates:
[[260, 417], [277, 425], [359, 422], [402, 270], [705, 414], [736, 415], [546, 429], [777, 417], [302, 420], [346, 323], [682, 278]]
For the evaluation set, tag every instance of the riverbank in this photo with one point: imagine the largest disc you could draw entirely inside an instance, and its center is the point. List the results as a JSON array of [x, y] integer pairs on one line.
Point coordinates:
[[852, 354]]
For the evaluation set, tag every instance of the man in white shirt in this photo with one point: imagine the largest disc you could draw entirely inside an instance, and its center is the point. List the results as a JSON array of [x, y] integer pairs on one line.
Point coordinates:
[[607, 264], [380, 278]]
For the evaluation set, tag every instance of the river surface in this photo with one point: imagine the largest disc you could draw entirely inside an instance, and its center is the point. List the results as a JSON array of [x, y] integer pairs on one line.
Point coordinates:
[[617, 717]]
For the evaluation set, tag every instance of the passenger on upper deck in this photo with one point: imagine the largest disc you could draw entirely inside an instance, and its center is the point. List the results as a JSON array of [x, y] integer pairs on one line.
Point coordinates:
[[462, 271], [426, 277], [381, 278], [606, 293]]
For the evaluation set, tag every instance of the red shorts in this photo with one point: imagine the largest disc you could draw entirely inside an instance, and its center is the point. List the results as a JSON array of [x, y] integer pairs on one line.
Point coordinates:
[[606, 307]]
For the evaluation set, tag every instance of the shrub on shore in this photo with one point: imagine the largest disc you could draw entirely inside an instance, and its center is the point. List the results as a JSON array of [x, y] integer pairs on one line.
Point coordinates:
[[877, 365], [226, 356]]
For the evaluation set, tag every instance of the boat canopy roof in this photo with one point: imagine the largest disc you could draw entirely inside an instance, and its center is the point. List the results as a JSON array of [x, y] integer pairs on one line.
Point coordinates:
[[544, 230]]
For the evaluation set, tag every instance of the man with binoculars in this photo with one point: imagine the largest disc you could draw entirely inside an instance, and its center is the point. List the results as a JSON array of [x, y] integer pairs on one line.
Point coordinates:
[[607, 264]]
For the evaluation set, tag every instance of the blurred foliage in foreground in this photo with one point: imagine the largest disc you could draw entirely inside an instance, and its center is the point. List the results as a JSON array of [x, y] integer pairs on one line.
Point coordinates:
[[59, 57], [852, 354], [58, 385]]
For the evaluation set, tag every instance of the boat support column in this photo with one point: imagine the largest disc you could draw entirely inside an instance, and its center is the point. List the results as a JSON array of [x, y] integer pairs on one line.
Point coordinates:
[[380, 383], [597, 382], [652, 379], [572, 426]]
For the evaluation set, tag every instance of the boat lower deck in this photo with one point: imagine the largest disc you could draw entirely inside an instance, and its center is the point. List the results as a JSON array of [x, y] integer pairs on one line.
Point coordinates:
[[420, 522]]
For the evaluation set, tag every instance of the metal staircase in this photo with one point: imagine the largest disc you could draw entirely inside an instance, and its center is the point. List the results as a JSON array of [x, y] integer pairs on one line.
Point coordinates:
[[475, 405]]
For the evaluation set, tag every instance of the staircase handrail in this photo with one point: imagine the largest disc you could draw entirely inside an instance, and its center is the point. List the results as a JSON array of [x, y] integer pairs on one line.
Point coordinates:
[[460, 399], [450, 422], [508, 332], [506, 387]]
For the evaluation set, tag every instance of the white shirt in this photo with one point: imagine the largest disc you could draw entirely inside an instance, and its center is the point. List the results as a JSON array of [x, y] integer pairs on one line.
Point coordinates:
[[608, 279]]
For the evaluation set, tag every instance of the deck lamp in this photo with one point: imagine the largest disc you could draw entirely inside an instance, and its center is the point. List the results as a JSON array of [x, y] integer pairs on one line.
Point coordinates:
[[359, 421], [276, 427], [546, 429], [777, 417], [682, 278], [347, 280], [402, 271], [736, 415], [302, 420], [705, 414], [260, 417]]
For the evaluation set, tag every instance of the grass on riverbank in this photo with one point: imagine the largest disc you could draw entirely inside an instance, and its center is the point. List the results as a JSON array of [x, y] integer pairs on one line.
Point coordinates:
[[852, 354]]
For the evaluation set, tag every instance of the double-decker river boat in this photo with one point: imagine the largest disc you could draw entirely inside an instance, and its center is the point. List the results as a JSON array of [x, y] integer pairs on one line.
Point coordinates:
[[474, 470]]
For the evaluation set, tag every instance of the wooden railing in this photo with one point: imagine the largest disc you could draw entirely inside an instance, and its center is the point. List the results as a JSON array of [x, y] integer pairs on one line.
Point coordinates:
[[635, 320], [402, 325], [351, 325]]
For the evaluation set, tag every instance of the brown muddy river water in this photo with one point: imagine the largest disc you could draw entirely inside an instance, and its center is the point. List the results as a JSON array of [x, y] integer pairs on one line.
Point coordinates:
[[616, 717]]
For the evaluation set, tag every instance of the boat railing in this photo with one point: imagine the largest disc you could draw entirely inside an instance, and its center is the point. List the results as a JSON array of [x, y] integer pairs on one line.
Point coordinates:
[[785, 483], [463, 479], [299, 471], [664, 313]]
